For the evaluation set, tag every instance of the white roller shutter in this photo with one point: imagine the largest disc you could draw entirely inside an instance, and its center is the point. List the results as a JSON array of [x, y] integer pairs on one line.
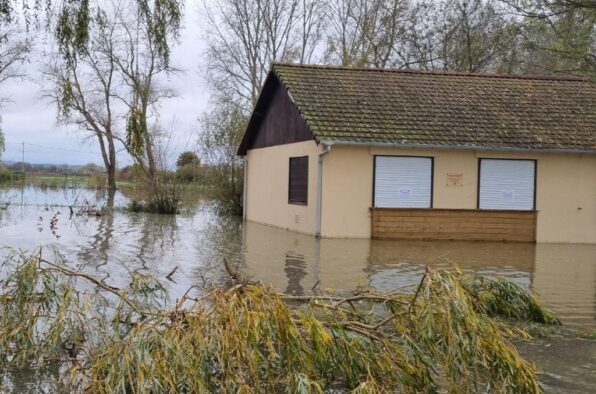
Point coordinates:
[[403, 182], [507, 184]]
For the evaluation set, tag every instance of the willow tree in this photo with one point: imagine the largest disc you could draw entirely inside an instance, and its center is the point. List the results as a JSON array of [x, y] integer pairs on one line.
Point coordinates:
[[75, 19], [143, 64], [141, 33], [84, 85], [110, 54]]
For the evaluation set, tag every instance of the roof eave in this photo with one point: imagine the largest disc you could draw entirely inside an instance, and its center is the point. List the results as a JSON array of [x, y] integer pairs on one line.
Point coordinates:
[[457, 147]]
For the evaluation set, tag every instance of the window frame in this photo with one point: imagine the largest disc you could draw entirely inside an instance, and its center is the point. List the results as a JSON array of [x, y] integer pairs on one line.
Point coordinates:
[[296, 201], [432, 180], [535, 184]]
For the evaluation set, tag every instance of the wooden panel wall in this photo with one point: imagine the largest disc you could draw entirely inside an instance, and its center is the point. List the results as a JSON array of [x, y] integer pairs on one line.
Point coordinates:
[[282, 123], [453, 224]]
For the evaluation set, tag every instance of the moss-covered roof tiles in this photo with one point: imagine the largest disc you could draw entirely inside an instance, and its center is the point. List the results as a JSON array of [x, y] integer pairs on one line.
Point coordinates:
[[443, 109]]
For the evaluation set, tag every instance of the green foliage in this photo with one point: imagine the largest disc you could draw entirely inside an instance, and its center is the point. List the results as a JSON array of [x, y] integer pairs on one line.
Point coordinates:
[[187, 158], [563, 42], [5, 174], [187, 173], [72, 28], [65, 101], [162, 19], [131, 173], [187, 166], [135, 132], [221, 133], [500, 297], [162, 202], [248, 338], [6, 11], [75, 18]]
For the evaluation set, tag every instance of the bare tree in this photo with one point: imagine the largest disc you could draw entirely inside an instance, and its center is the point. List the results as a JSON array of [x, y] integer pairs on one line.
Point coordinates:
[[84, 88], [245, 36], [13, 52], [365, 32], [311, 28], [477, 36], [458, 35], [557, 36], [143, 65], [116, 76], [221, 132]]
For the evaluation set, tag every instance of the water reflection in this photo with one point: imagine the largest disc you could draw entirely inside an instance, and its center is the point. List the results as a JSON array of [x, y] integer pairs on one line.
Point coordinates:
[[112, 246], [564, 275], [295, 271]]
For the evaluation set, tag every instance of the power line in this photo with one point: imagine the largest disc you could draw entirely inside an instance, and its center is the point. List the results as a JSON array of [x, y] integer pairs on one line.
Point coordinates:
[[53, 148]]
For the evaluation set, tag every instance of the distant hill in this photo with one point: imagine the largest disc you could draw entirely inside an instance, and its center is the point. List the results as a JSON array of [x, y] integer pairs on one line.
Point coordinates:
[[47, 165]]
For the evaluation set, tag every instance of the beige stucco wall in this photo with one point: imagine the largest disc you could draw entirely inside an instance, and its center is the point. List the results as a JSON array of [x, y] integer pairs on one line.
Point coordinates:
[[566, 189], [267, 187]]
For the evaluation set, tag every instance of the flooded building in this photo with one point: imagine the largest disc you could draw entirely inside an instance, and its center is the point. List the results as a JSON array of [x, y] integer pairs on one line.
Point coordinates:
[[401, 154]]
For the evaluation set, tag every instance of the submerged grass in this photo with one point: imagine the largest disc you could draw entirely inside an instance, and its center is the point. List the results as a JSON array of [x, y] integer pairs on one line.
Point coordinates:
[[452, 335], [160, 205], [163, 200]]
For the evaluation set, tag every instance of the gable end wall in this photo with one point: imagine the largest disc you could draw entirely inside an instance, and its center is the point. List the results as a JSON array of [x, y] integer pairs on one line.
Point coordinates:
[[281, 124]]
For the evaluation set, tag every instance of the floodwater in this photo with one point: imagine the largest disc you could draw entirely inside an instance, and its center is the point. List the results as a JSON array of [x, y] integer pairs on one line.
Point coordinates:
[[196, 241]]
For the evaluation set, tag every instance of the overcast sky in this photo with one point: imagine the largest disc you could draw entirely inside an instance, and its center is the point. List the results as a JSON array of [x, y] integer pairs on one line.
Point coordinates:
[[29, 118]]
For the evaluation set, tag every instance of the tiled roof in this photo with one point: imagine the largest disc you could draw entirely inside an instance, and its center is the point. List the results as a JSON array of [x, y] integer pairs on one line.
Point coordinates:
[[417, 108]]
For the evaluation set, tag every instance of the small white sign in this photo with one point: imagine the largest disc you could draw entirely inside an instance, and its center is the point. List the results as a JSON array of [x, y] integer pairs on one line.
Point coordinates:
[[506, 195], [405, 193]]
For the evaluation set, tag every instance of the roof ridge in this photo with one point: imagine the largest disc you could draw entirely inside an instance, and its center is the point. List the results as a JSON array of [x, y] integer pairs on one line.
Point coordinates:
[[437, 72]]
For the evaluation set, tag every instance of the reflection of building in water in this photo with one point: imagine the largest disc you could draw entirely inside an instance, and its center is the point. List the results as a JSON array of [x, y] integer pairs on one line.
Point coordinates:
[[565, 279], [295, 271], [401, 263], [564, 275], [349, 263], [266, 250]]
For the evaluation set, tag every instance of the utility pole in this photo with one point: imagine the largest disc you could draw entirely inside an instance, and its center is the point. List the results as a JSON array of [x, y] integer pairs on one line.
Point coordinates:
[[23, 159]]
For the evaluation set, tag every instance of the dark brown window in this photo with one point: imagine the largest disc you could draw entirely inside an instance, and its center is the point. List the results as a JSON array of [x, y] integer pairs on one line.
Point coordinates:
[[298, 185]]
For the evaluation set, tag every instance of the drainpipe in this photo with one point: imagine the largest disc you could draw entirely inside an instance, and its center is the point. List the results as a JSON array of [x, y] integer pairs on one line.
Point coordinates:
[[326, 149], [244, 188]]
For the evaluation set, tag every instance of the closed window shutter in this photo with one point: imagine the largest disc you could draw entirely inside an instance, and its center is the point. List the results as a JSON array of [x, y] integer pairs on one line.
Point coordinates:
[[507, 184], [403, 182], [298, 180]]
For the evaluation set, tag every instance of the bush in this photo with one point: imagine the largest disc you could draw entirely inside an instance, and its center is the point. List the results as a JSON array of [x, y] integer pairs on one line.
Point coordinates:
[[5, 174], [225, 186], [161, 203], [187, 173]]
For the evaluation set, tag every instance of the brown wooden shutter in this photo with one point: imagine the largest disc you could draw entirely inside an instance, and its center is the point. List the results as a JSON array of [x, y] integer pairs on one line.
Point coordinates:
[[298, 180]]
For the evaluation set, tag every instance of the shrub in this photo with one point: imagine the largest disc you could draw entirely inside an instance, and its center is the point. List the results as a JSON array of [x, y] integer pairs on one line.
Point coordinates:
[[5, 174], [162, 203]]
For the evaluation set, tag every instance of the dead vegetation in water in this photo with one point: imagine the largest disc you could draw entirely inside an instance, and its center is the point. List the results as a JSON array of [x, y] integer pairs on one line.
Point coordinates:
[[453, 334]]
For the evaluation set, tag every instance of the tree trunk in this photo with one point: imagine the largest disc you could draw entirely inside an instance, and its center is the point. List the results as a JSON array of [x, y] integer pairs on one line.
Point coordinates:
[[112, 159], [111, 197], [111, 177], [151, 161]]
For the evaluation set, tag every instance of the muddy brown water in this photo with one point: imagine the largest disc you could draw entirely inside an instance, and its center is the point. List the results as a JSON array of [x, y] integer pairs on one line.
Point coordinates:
[[197, 241]]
